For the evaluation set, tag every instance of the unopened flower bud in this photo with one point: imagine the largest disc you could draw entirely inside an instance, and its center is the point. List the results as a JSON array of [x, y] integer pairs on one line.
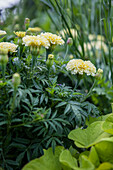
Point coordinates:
[[70, 41], [16, 27], [99, 74], [16, 80], [27, 23], [50, 56], [71, 56], [3, 56], [16, 18], [49, 61], [100, 71]]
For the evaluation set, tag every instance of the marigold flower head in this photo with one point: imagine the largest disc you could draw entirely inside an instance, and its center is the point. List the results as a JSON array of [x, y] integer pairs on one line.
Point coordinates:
[[79, 66], [36, 41], [10, 47], [53, 38], [35, 29], [2, 32], [20, 34]]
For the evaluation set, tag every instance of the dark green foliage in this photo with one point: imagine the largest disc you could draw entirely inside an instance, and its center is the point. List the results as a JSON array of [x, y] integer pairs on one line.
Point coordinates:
[[45, 111]]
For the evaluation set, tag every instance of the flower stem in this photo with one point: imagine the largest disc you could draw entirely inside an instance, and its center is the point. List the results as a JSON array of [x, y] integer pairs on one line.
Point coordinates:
[[48, 51], [90, 91], [3, 71], [67, 49]]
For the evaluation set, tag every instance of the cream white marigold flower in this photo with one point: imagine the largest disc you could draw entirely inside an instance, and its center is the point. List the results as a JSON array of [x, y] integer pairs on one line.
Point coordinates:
[[20, 34], [53, 38], [79, 66], [2, 32], [35, 41], [10, 47]]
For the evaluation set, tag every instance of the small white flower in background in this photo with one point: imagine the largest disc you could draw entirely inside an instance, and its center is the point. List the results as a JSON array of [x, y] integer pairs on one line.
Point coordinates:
[[2, 32]]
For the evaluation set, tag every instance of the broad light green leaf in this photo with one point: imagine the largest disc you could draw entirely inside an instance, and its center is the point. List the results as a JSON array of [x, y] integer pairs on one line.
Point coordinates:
[[67, 159], [85, 164], [108, 124], [105, 166], [94, 119], [85, 138], [93, 157], [105, 150], [48, 161]]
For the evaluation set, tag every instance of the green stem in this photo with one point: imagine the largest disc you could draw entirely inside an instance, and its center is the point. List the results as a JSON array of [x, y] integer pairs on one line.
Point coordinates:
[[33, 61], [3, 71], [90, 91], [48, 51], [14, 97], [67, 49], [11, 110]]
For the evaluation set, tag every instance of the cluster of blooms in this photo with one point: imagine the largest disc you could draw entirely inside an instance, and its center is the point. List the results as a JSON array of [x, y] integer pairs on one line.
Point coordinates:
[[79, 66], [93, 37], [2, 32], [96, 42], [11, 47], [44, 39], [20, 34], [97, 45]]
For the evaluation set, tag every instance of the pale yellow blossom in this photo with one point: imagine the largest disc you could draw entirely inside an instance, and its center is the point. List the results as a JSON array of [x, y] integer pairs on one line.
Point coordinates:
[[53, 38], [11, 47], [35, 41], [79, 66], [20, 34]]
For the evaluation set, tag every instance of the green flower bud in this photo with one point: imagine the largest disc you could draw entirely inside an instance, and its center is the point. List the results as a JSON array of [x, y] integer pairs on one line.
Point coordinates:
[[49, 61], [16, 27], [16, 80], [3, 56], [70, 41], [27, 23], [99, 74], [50, 56]]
